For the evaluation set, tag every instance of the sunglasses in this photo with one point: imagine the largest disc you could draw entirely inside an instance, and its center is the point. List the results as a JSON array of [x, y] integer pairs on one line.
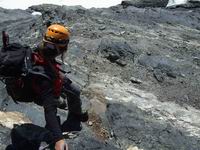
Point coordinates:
[[53, 50]]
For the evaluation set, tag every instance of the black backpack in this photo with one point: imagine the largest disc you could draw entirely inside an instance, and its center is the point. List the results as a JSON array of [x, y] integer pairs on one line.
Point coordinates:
[[15, 60], [15, 65]]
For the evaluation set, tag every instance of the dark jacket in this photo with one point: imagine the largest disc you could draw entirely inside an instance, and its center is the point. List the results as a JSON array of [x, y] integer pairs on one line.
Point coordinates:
[[46, 89]]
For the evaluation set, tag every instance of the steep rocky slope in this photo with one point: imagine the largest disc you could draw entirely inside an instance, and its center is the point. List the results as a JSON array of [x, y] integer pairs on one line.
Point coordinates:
[[138, 69]]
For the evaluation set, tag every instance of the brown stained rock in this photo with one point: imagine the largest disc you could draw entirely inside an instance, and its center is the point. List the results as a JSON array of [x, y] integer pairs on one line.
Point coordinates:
[[97, 127], [98, 106]]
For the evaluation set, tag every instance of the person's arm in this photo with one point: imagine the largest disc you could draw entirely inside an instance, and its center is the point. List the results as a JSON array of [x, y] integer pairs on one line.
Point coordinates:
[[44, 88], [50, 109]]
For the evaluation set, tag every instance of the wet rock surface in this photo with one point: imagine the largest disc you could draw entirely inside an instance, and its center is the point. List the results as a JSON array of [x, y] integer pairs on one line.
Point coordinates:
[[138, 69]]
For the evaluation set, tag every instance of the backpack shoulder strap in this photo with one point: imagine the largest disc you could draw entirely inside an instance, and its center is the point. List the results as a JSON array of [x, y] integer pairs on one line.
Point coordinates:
[[27, 61], [36, 66]]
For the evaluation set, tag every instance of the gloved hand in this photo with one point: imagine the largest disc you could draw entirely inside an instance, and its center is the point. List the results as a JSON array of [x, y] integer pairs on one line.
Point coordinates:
[[61, 145]]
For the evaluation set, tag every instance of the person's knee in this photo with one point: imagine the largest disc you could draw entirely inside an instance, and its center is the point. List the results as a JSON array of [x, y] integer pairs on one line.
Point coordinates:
[[75, 89]]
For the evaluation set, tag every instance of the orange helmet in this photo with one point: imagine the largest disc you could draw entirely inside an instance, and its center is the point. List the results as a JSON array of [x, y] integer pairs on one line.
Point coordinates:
[[56, 40]]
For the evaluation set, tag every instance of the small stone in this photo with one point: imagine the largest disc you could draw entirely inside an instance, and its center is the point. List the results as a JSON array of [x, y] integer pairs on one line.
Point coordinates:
[[100, 21], [148, 53], [196, 61], [171, 74], [134, 80], [122, 32], [159, 76], [102, 28], [121, 63], [112, 134], [90, 123], [182, 75]]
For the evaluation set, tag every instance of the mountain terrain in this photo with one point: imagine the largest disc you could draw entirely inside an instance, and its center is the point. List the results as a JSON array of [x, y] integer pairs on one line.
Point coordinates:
[[138, 65]]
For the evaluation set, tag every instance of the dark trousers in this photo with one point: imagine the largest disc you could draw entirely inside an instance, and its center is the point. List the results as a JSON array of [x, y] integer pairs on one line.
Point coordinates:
[[71, 92]]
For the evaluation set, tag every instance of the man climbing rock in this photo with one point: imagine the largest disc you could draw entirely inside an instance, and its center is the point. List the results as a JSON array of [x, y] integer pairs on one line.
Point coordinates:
[[45, 84]]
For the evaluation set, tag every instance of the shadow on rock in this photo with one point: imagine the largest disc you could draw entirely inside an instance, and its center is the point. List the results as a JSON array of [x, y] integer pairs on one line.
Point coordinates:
[[29, 137]]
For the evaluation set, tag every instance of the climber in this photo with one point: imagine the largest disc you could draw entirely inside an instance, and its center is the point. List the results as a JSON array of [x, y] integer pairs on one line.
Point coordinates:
[[47, 84]]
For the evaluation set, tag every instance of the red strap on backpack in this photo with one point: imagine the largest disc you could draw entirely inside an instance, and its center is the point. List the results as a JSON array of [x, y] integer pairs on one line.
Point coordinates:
[[58, 82]]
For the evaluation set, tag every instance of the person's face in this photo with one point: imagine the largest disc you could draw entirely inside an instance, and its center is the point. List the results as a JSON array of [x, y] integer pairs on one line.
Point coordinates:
[[52, 50]]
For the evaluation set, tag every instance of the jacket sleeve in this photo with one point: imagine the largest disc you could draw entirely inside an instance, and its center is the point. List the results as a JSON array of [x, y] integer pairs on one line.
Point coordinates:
[[49, 103]]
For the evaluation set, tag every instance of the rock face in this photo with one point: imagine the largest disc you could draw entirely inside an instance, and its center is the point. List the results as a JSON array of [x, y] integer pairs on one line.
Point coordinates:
[[145, 3], [138, 69]]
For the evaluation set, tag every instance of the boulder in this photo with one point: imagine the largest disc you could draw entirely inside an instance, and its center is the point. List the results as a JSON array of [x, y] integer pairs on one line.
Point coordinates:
[[116, 50], [163, 64]]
